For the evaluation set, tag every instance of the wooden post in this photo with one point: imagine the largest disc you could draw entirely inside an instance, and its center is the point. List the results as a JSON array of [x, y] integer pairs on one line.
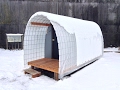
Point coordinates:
[[56, 76], [22, 40], [18, 45], [6, 43], [32, 67]]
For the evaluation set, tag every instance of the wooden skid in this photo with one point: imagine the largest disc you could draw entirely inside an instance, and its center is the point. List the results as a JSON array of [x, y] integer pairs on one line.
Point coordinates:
[[32, 72], [47, 64]]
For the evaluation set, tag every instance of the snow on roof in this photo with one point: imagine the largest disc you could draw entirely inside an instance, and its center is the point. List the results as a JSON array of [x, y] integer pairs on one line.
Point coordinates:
[[82, 28], [86, 36], [14, 34]]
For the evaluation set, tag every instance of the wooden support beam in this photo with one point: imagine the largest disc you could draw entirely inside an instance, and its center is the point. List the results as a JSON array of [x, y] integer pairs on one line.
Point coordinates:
[[32, 67], [56, 76], [41, 24]]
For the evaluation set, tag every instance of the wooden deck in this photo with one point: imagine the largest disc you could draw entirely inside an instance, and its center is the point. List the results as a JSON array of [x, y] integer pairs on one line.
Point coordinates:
[[46, 64]]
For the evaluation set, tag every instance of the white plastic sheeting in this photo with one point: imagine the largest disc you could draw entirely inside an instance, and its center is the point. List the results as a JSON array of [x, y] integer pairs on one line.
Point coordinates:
[[67, 49], [76, 40], [34, 43]]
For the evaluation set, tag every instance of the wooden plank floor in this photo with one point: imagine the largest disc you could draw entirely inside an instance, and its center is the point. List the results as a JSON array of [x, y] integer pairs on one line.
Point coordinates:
[[46, 64]]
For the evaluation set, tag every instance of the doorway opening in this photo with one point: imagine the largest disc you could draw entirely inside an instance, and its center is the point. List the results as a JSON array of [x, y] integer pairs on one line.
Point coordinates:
[[51, 44]]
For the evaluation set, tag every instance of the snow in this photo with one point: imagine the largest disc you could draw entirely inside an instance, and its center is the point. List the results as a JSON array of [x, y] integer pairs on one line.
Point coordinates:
[[109, 49], [14, 34], [101, 75], [80, 26]]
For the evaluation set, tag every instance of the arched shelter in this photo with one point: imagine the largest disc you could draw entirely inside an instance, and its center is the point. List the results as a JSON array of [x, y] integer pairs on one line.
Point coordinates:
[[73, 42]]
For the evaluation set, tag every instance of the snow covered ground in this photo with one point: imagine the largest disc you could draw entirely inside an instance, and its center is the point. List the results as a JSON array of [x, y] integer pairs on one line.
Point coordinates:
[[103, 74]]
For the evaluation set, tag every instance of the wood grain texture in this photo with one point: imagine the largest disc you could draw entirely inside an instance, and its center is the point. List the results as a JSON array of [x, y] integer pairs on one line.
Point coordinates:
[[40, 24], [32, 72], [46, 64]]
